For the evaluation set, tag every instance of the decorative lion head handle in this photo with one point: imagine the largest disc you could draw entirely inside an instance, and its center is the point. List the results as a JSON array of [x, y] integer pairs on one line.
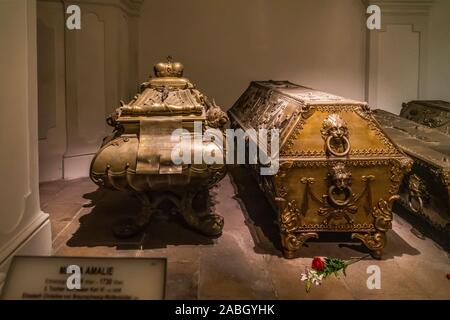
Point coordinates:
[[335, 134], [417, 193], [340, 181]]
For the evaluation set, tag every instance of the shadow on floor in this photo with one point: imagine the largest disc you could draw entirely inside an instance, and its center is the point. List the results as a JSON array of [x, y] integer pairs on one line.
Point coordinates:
[[261, 220], [108, 206], [441, 237]]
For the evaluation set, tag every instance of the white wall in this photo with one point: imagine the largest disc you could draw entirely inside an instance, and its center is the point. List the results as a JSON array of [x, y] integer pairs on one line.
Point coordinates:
[[409, 58], [224, 44], [398, 67], [83, 75], [51, 89], [438, 75], [22, 224]]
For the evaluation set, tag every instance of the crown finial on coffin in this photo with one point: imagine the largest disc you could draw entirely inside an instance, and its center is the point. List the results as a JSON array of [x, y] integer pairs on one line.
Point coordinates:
[[168, 69]]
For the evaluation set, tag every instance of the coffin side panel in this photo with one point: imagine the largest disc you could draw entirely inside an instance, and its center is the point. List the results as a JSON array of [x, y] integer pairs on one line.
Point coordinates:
[[307, 188]]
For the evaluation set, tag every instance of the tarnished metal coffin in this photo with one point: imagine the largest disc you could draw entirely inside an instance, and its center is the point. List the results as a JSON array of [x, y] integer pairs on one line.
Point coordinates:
[[338, 171], [432, 113], [137, 157], [425, 191]]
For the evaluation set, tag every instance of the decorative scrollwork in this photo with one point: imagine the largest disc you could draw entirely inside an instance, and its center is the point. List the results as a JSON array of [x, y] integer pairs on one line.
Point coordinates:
[[445, 176], [373, 241], [216, 118], [365, 112], [304, 113], [398, 169], [292, 242], [280, 185], [382, 213], [289, 222], [434, 114], [362, 163], [290, 217], [334, 108], [216, 173]]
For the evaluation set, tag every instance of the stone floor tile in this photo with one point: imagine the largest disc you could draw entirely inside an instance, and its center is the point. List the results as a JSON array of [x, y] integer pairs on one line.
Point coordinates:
[[229, 272], [81, 191], [48, 191], [182, 280], [395, 284], [62, 212], [430, 277]]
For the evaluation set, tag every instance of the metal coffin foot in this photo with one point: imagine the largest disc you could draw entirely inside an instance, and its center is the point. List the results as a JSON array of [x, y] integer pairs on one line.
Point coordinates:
[[293, 242], [195, 209], [375, 242]]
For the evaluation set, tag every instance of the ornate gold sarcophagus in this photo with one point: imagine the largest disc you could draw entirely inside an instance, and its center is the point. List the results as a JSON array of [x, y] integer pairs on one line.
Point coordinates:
[[139, 155], [425, 191], [338, 171], [431, 113]]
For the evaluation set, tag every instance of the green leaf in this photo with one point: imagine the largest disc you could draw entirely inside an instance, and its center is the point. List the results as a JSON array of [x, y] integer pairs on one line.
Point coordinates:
[[332, 266]]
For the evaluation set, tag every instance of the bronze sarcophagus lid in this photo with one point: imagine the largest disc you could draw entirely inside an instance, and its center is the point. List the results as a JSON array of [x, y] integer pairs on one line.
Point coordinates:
[[338, 172], [432, 113], [425, 191], [139, 155]]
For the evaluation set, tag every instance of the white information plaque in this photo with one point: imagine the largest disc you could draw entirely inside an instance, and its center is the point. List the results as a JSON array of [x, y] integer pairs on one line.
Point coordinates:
[[73, 278]]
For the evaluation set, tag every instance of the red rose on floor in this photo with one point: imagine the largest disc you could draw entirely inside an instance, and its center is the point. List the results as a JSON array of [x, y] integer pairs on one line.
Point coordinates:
[[318, 264], [448, 276]]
